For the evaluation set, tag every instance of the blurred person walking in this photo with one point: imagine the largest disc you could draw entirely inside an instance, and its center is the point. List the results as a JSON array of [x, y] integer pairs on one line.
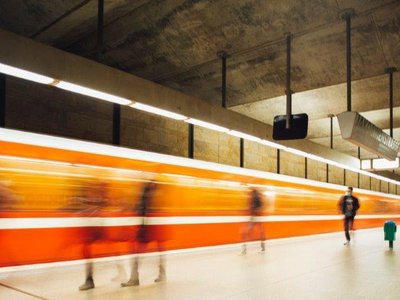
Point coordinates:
[[348, 205], [145, 234], [255, 207], [94, 198]]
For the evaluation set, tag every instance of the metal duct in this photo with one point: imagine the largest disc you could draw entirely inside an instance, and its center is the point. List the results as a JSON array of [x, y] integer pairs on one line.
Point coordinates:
[[359, 131]]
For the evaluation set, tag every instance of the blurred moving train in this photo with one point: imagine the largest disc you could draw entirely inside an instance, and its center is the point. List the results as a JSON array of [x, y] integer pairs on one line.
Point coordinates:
[[52, 190]]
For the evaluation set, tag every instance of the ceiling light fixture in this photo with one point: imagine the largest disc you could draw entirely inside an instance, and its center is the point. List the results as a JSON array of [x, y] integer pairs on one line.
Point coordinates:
[[244, 135], [272, 144], [158, 111], [91, 92], [207, 125], [20, 73]]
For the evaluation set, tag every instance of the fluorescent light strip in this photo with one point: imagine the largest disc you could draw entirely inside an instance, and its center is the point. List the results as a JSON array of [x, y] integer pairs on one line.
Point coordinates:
[[20, 73], [207, 125], [244, 135], [91, 92], [158, 111], [272, 144]]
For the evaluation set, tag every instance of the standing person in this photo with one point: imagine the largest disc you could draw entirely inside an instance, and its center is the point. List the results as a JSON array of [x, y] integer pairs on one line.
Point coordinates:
[[348, 206], [145, 234], [255, 209]]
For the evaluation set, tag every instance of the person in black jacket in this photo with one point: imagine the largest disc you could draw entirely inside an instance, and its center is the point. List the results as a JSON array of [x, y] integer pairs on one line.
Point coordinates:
[[348, 206]]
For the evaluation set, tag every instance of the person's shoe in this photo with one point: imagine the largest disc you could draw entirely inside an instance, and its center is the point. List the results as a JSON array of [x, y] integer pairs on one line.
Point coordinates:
[[130, 282], [347, 243], [160, 279], [244, 250], [262, 247], [89, 284]]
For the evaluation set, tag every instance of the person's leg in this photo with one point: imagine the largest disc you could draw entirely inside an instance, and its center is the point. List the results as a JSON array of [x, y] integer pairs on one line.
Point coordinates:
[[162, 276], [262, 235], [134, 278], [351, 223], [346, 228], [89, 283], [351, 227], [245, 236]]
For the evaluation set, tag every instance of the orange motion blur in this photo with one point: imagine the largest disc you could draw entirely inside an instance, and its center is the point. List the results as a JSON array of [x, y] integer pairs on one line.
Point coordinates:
[[44, 220]]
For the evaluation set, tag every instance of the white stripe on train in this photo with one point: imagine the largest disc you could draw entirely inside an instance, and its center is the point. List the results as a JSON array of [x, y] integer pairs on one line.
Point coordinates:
[[71, 222]]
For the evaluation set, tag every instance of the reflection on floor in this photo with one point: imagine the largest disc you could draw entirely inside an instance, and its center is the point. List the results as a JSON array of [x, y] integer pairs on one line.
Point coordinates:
[[314, 267]]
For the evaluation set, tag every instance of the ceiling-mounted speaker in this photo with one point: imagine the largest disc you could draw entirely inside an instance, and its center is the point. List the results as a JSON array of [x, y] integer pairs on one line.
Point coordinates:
[[297, 130]]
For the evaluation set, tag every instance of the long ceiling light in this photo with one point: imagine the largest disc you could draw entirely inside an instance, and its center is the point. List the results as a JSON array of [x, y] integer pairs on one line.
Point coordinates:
[[20, 73], [244, 135], [272, 144], [207, 125], [158, 111], [91, 92]]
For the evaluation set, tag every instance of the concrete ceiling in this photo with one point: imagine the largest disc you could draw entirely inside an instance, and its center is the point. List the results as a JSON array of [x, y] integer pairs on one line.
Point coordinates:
[[175, 43]]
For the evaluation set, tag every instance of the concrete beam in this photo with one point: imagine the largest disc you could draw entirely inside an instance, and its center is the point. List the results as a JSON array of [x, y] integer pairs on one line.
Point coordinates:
[[26, 54]]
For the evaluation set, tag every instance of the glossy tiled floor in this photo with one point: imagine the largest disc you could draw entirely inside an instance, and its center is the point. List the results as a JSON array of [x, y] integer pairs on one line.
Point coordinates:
[[315, 267]]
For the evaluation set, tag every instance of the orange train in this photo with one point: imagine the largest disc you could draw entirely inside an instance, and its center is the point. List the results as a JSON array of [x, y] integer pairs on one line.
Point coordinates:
[[54, 192]]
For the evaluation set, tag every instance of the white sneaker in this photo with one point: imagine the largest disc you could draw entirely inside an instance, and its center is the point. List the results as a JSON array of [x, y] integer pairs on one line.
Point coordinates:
[[347, 243]]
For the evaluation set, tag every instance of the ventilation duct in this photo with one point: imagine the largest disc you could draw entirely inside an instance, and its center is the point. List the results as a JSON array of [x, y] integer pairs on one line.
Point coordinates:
[[358, 130]]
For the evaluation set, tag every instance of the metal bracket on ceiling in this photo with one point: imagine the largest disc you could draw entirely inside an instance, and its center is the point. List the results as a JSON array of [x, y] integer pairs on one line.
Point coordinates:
[[347, 13], [390, 71], [223, 55], [288, 79]]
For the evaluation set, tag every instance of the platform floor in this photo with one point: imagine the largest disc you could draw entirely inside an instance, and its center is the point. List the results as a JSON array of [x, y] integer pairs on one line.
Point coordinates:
[[313, 267]]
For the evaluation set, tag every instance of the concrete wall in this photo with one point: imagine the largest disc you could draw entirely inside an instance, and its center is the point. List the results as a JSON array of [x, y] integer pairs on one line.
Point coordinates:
[[375, 184], [351, 179], [336, 175], [149, 132], [292, 165], [45, 109], [259, 157], [316, 170], [392, 188], [365, 182]]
